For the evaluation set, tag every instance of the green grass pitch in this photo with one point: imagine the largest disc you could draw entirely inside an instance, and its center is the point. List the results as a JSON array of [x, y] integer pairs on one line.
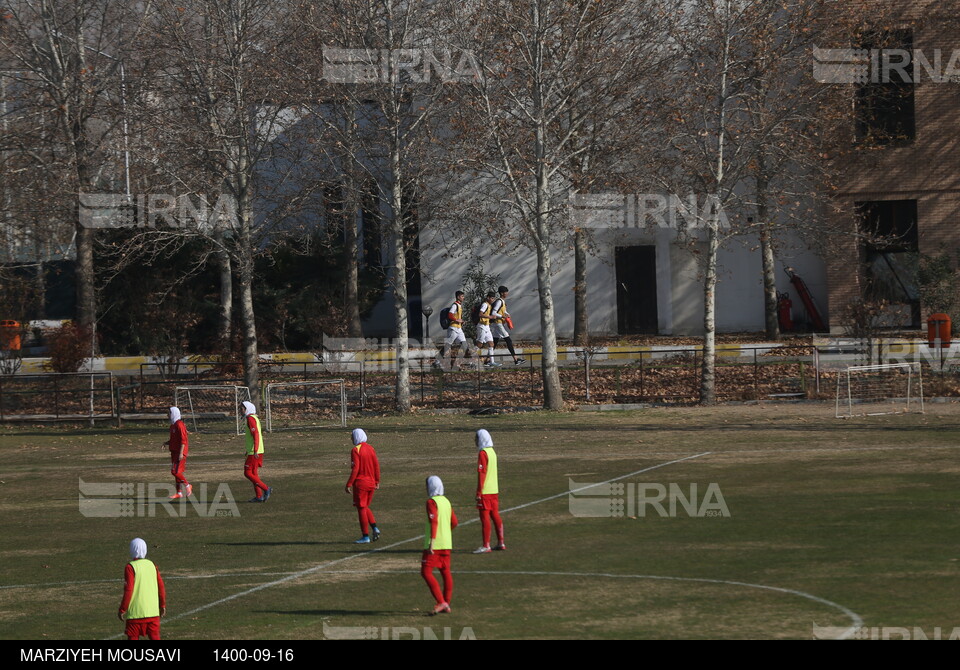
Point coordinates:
[[832, 523]]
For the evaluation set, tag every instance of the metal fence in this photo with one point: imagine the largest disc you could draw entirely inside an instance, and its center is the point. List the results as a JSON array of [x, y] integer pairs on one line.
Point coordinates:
[[588, 376]]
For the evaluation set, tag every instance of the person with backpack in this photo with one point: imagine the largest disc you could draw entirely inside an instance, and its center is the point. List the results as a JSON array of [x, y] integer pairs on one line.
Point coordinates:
[[499, 323], [452, 320], [484, 336]]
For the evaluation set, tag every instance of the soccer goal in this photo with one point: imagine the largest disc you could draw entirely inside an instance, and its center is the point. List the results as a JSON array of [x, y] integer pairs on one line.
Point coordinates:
[[314, 404], [868, 390], [212, 409]]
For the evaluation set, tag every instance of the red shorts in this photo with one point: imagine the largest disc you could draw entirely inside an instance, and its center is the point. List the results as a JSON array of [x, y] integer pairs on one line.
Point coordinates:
[[362, 497], [489, 502], [137, 628], [438, 559]]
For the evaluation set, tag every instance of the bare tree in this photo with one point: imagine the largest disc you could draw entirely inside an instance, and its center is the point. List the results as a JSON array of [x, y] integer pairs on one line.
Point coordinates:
[[223, 111], [384, 108], [558, 81], [68, 56]]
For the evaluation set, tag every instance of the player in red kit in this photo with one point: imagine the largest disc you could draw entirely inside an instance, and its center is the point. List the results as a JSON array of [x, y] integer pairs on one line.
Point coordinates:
[[144, 595], [438, 545], [488, 492], [254, 453], [179, 446], [364, 480]]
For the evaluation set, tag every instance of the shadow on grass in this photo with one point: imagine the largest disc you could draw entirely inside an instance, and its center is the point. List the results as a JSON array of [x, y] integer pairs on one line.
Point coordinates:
[[339, 612], [269, 544]]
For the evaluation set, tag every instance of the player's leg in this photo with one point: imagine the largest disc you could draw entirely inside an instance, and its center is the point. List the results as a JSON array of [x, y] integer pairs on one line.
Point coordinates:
[[250, 468], [371, 520], [497, 522], [426, 571], [485, 526], [447, 580], [517, 360], [153, 628]]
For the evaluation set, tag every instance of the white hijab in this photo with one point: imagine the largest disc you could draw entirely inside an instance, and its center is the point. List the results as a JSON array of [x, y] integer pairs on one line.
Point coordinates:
[[248, 408], [174, 415], [359, 436], [138, 548], [483, 440], [434, 486]]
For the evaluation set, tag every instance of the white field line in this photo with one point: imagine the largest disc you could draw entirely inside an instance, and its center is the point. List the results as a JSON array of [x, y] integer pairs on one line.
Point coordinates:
[[321, 566], [855, 620]]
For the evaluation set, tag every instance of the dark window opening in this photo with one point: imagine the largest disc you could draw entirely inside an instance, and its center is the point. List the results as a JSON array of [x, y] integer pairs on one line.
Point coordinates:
[[892, 258], [885, 104]]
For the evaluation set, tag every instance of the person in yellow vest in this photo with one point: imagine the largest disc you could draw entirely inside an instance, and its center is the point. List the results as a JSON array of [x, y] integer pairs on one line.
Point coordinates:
[[438, 544], [488, 492], [254, 453], [144, 596]]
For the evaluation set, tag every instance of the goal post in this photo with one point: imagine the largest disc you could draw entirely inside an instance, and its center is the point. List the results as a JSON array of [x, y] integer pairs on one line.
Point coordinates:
[[212, 409], [868, 390], [312, 404]]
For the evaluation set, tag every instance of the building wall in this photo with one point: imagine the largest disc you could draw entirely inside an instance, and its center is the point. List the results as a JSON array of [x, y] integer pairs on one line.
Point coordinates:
[[926, 170], [679, 282]]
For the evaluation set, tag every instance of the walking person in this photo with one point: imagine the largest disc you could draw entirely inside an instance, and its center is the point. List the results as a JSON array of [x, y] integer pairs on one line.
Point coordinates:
[[179, 447], [500, 323], [364, 480], [454, 338], [254, 460], [488, 493], [144, 595], [438, 544]]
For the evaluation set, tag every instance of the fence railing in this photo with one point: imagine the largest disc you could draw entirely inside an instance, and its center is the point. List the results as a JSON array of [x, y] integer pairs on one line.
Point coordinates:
[[591, 376]]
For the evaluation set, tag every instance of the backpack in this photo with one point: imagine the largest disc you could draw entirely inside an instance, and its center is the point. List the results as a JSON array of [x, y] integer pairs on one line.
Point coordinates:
[[445, 317]]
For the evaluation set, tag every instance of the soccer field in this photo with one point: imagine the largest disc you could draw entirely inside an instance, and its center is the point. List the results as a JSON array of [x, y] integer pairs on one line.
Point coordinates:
[[797, 522]]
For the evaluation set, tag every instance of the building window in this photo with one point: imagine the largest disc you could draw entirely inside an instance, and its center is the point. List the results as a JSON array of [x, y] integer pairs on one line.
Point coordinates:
[[885, 104], [892, 258]]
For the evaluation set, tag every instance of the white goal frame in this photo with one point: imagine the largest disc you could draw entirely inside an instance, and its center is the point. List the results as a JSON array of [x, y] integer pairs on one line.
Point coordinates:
[[189, 412], [269, 403], [910, 401]]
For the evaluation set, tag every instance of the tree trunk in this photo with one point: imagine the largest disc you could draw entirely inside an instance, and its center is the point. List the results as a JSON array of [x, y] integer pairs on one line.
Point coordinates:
[[399, 288], [251, 358], [766, 253], [351, 252], [225, 318], [769, 282], [581, 332], [86, 296], [708, 366]]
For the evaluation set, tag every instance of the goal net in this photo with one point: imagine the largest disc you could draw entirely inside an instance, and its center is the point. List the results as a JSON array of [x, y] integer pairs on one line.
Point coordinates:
[[867, 390], [212, 409], [314, 404]]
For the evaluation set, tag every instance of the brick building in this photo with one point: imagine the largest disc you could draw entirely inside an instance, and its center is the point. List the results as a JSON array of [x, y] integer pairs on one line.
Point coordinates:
[[901, 185]]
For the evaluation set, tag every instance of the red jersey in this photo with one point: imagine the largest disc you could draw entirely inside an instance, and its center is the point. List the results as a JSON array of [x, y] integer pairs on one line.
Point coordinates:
[[128, 579], [364, 467], [178, 437]]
